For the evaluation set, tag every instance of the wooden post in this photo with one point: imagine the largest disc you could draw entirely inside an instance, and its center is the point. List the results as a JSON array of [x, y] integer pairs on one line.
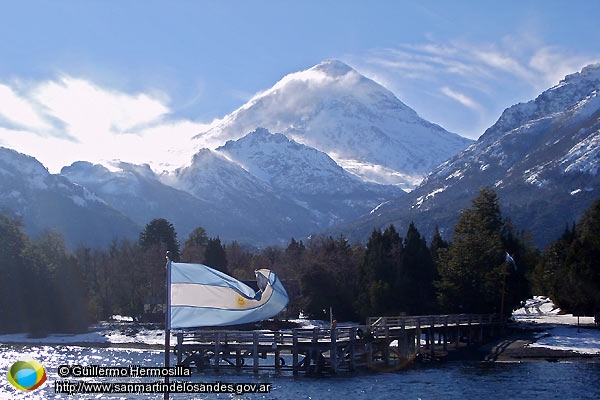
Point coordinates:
[[276, 339], [432, 334], [217, 350], [238, 358], [352, 348], [369, 355], [418, 335], [179, 350], [470, 333], [480, 328], [457, 322], [386, 350], [403, 347], [295, 352], [333, 350], [314, 349], [446, 333], [255, 351]]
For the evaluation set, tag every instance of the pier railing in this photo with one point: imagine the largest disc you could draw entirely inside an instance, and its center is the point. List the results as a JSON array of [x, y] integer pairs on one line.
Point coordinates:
[[413, 321], [381, 340]]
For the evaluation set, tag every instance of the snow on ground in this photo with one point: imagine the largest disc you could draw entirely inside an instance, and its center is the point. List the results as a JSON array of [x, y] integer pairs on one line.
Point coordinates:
[[560, 331], [101, 334]]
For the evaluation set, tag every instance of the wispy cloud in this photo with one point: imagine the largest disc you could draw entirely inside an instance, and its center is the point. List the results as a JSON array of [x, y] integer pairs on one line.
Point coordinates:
[[69, 119], [19, 111], [86, 107], [439, 77], [461, 98]]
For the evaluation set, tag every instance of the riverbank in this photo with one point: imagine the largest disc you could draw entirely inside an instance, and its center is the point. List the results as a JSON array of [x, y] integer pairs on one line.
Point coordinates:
[[523, 346], [542, 332], [539, 332]]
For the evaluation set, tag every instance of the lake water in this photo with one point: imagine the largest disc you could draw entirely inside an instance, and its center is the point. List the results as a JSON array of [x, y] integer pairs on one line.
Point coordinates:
[[451, 380]]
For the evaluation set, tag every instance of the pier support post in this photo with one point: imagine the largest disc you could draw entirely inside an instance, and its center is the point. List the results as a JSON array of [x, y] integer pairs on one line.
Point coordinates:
[[470, 332], [351, 350], [432, 337], [217, 350], [386, 349], [457, 322], [314, 350], [238, 358], [295, 352], [418, 335], [276, 340], [446, 333], [179, 348], [255, 351], [333, 350]]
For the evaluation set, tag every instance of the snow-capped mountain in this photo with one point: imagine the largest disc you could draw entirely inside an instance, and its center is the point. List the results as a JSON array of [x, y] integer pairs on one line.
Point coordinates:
[[135, 191], [542, 158], [42, 201], [306, 170], [307, 175], [358, 123], [265, 214]]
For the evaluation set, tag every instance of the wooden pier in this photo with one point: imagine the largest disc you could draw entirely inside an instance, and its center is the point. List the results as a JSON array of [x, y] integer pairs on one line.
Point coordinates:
[[383, 343]]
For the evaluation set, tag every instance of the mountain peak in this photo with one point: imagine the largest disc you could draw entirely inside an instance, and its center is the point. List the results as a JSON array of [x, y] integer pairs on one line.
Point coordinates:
[[333, 68], [589, 72], [360, 124], [569, 92]]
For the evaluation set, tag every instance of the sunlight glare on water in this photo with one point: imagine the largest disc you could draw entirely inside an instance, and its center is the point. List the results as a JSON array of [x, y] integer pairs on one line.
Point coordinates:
[[452, 380]]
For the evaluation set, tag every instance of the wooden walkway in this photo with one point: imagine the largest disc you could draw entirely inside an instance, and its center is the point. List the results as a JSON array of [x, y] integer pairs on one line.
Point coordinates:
[[385, 342]]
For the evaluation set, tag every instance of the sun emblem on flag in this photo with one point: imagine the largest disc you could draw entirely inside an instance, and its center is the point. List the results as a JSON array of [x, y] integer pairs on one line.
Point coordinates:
[[241, 301]]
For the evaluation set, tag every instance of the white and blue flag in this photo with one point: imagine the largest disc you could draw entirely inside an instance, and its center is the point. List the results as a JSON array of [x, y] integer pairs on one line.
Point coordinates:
[[511, 260], [203, 296]]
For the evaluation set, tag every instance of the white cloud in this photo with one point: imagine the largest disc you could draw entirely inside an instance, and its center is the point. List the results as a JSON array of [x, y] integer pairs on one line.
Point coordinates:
[[551, 64], [87, 109], [461, 98], [19, 111], [63, 121], [497, 75]]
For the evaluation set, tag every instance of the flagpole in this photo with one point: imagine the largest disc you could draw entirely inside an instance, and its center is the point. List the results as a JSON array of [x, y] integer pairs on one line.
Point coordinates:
[[168, 324]]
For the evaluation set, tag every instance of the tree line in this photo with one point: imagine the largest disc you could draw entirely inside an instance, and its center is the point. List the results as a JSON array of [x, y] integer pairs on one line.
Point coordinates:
[[489, 267]]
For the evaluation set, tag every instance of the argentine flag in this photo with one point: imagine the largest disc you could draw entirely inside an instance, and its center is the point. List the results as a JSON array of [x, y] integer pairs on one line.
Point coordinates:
[[203, 296]]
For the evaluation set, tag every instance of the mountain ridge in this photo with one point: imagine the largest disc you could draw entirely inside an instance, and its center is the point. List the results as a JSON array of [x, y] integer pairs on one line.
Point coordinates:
[[265, 187], [540, 156], [357, 122]]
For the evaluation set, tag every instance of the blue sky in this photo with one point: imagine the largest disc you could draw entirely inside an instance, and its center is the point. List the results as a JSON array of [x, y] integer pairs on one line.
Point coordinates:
[[125, 79]]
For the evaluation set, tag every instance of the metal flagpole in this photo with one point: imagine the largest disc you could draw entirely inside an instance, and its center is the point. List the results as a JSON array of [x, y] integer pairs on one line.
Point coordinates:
[[168, 324]]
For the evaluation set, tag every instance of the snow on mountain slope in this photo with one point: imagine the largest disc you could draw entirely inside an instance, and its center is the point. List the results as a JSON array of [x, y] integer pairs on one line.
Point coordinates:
[[541, 157], [45, 201], [268, 216], [538, 142], [288, 165], [357, 122], [137, 192], [307, 175]]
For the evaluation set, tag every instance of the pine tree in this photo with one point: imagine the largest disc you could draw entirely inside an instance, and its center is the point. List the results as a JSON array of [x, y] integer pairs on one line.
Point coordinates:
[[195, 246], [582, 287], [214, 255], [160, 233], [155, 240], [378, 273], [414, 287], [474, 270], [13, 297]]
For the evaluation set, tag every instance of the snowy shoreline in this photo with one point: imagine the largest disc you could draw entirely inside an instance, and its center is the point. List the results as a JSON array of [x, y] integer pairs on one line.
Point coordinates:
[[541, 331]]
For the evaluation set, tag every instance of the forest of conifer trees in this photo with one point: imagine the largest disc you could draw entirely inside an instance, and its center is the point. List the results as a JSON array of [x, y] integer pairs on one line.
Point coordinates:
[[487, 266]]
